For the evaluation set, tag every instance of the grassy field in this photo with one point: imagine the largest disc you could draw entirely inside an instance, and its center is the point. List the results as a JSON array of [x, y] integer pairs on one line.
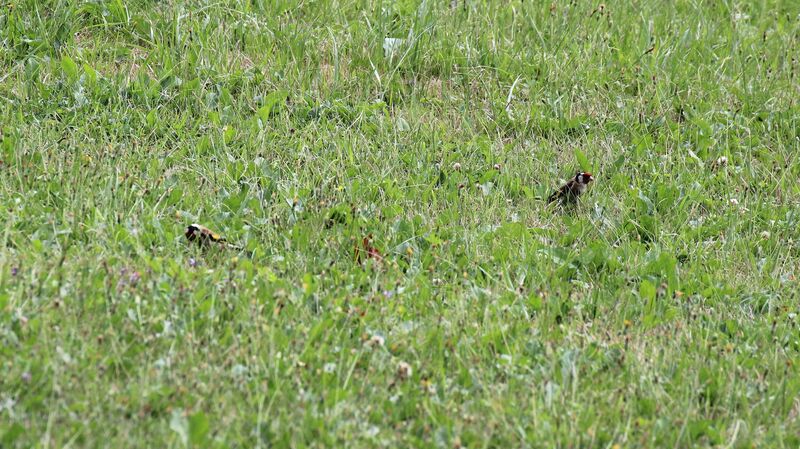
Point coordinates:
[[659, 312]]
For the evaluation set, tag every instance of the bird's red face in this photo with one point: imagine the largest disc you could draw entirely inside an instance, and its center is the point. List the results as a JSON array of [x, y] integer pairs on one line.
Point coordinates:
[[584, 177]]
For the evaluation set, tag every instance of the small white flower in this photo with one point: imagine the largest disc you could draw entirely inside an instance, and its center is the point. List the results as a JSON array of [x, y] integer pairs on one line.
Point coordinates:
[[238, 370], [734, 202], [765, 234], [431, 388], [372, 431], [65, 357], [376, 341], [392, 46], [8, 404], [329, 368], [722, 161]]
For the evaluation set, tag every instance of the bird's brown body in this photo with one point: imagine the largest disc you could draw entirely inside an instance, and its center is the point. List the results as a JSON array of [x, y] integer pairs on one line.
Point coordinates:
[[569, 192]]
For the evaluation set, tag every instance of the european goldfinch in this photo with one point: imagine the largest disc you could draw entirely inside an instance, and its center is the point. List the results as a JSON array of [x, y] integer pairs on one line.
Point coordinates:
[[569, 192]]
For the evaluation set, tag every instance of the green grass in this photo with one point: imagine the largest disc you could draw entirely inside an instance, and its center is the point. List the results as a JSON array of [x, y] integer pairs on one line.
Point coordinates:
[[661, 312]]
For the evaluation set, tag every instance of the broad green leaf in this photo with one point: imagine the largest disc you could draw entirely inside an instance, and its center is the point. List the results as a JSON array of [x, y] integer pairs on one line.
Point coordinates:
[[433, 239], [198, 429], [69, 67], [583, 161], [647, 290], [91, 73], [152, 118], [12, 434], [271, 104]]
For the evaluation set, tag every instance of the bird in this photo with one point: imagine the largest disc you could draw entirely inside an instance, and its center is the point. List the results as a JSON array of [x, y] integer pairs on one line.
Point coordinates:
[[575, 187], [203, 235]]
